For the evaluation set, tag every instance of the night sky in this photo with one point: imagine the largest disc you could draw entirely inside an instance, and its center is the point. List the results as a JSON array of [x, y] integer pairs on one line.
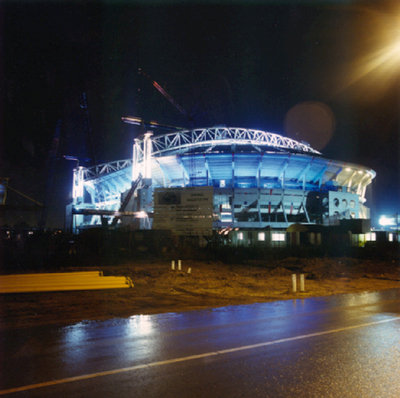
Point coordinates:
[[289, 67]]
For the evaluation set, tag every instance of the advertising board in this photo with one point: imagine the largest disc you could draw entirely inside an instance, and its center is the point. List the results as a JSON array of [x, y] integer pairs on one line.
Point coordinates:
[[185, 211]]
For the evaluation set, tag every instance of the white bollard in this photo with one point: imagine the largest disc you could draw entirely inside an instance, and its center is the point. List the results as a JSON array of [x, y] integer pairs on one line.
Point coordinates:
[[302, 287], [179, 265], [173, 264], [189, 270], [294, 283]]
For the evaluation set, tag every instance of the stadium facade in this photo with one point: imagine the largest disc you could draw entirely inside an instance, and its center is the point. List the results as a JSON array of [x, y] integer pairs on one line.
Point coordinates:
[[194, 182]]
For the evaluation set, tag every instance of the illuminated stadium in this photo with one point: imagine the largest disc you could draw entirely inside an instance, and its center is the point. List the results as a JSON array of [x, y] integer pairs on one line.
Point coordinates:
[[196, 181]]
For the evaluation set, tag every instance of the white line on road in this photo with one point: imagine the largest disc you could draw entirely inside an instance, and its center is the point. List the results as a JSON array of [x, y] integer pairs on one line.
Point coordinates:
[[188, 358]]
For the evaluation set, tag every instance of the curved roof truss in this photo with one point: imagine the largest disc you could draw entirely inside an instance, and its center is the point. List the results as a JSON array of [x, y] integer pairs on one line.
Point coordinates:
[[168, 148], [183, 141]]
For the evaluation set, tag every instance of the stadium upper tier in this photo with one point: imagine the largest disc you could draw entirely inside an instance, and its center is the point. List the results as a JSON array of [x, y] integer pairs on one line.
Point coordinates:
[[222, 157]]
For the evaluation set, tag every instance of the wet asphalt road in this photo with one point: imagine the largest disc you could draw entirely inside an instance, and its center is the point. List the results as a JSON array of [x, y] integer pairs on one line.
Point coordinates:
[[340, 346]]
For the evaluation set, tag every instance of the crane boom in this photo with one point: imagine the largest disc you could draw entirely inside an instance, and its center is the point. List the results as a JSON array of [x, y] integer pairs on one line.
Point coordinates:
[[51, 163], [164, 93], [127, 199], [169, 98], [88, 128]]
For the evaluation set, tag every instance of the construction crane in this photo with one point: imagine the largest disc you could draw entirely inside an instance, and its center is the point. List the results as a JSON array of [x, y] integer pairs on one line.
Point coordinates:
[[127, 199], [4, 186], [190, 117], [77, 159], [51, 164], [88, 128], [3, 190], [152, 124]]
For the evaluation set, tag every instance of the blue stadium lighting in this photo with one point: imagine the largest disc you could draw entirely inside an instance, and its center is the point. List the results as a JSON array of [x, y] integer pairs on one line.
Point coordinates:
[[258, 180]]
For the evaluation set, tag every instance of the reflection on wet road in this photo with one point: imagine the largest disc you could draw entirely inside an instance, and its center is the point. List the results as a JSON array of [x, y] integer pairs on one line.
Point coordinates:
[[348, 345]]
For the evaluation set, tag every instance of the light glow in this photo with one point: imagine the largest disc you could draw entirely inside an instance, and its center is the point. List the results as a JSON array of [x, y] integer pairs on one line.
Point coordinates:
[[278, 237], [77, 189], [141, 214], [387, 221], [370, 237], [140, 325], [378, 67]]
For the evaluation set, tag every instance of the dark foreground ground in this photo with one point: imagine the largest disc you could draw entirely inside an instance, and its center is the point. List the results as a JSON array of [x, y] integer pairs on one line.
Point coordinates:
[[159, 289]]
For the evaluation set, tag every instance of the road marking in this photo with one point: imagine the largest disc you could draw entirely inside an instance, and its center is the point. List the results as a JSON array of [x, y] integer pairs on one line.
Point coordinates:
[[188, 358]]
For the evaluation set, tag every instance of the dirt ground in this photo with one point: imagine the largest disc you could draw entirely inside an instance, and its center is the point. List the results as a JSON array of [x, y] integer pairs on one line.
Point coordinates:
[[159, 289]]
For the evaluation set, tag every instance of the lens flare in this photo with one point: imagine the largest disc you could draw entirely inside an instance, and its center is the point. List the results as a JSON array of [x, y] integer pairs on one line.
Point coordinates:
[[376, 66]]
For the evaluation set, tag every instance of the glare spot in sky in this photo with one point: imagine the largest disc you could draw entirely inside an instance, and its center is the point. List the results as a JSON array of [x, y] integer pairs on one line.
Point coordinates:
[[312, 122]]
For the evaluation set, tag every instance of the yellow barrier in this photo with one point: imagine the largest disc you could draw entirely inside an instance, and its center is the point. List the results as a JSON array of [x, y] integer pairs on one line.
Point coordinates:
[[91, 280]]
